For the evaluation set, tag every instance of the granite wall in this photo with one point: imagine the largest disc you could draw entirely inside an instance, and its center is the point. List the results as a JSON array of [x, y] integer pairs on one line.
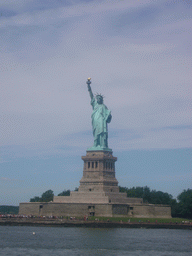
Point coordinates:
[[107, 210]]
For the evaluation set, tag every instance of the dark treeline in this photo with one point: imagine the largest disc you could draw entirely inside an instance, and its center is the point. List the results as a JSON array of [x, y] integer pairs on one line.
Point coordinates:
[[149, 196], [9, 209], [47, 196], [182, 207]]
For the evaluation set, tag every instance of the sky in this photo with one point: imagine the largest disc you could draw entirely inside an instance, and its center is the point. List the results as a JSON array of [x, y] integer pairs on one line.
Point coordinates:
[[138, 55]]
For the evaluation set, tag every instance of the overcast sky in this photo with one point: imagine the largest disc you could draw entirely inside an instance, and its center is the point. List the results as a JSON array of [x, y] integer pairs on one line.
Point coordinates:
[[138, 54]]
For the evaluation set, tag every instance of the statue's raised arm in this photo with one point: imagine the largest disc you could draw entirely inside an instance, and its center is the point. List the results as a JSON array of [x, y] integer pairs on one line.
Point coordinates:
[[89, 87], [101, 116]]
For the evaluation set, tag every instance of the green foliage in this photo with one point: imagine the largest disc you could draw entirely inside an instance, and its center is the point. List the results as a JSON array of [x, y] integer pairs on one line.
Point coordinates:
[[152, 197], [185, 204], [64, 193], [35, 199], [47, 196], [182, 209], [7, 209], [138, 192], [174, 208], [159, 197]]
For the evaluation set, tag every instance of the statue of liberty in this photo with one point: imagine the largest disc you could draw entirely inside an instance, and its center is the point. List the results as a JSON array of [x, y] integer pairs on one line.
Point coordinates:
[[101, 116]]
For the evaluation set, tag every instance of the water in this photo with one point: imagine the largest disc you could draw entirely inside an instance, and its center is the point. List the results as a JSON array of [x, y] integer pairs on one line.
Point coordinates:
[[20, 241]]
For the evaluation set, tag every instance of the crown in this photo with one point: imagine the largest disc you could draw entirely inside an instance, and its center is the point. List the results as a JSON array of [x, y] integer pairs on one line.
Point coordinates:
[[99, 95]]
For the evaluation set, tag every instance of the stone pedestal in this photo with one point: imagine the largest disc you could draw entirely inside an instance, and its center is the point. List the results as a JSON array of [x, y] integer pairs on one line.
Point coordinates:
[[98, 184], [99, 172], [98, 194]]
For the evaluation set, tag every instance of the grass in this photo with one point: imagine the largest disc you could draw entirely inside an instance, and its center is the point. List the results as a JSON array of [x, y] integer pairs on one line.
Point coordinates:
[[137, 220]]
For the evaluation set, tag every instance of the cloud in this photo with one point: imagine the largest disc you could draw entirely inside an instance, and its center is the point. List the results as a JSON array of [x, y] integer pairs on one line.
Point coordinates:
[[166, 139], [49, 52]]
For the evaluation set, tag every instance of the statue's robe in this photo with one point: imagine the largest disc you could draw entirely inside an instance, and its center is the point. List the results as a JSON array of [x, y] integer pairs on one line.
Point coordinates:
[[100, 117]]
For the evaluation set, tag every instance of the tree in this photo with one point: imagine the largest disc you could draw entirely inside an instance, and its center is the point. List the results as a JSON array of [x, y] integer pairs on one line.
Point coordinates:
[[64, 193], [138, 192], [9, 209], [146, 194], [174, 208], [185, 204], [35, 199], [47, 196], [152, 197], [159, 197]]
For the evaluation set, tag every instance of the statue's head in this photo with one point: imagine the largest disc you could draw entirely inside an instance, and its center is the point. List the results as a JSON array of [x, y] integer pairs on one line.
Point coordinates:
[[99, 99]]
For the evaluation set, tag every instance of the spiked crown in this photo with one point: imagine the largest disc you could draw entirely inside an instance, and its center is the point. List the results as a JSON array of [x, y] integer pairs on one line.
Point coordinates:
[[97, 95]]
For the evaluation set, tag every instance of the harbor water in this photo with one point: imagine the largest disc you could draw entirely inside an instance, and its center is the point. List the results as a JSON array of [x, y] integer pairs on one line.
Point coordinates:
[[25, 240]]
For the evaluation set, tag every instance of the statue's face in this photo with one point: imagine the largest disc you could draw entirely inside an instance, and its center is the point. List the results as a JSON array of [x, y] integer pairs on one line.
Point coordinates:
[[99, 100]]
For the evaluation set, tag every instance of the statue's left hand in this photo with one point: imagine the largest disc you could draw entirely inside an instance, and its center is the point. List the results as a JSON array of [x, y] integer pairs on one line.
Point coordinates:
[[109, 118]]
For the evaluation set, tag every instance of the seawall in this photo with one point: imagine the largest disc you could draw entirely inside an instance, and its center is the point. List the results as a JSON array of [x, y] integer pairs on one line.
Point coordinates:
[[92, 224]]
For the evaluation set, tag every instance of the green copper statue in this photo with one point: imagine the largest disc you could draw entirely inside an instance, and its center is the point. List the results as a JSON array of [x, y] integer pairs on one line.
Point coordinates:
[[100, 117]]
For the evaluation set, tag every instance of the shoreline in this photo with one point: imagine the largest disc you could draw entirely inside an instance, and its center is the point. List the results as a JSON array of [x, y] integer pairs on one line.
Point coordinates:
[[90, 224]]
